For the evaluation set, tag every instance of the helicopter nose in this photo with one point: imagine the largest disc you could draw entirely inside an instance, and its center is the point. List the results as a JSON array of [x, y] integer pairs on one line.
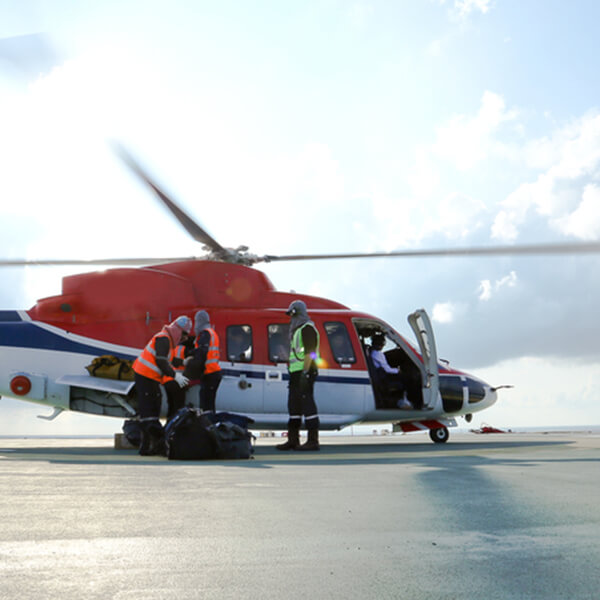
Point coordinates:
[[491, 395], [481, 394]]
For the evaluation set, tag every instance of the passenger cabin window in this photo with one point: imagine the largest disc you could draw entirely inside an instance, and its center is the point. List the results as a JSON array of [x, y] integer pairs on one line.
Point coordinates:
[[339, 342], [239, 343], [279, 342]]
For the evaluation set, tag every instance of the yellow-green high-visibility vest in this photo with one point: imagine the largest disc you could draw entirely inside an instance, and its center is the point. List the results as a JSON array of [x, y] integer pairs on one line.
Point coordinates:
[[297, 349]]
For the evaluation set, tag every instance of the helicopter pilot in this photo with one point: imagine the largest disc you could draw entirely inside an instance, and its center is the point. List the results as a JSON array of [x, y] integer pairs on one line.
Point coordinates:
[[152, 369], [390, 378]]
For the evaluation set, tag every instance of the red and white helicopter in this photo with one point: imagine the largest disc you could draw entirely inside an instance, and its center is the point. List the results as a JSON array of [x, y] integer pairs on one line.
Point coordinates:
[[44, 350]]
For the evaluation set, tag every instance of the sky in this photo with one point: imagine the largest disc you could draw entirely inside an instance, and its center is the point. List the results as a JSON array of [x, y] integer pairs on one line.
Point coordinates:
[[318, 127]]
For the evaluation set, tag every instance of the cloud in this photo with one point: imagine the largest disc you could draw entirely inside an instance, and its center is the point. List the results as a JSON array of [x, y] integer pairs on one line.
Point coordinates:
[[29, 56], [573, 399], [486, 289], [564, 194], [460, 215], [466, 141], [584, 221], [464, 8], [460, 14], [443, 312], [432, 203]]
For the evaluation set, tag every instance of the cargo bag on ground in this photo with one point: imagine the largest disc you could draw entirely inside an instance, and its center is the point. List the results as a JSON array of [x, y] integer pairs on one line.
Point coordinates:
[[189, 436], [233, 441], [232, 438]]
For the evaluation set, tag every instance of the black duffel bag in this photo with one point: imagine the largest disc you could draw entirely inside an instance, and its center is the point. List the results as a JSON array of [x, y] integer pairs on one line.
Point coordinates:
[[189, 435], [233, 441]]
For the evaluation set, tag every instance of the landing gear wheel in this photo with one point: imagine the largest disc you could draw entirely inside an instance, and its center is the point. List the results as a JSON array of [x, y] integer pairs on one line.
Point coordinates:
[[439, 435]]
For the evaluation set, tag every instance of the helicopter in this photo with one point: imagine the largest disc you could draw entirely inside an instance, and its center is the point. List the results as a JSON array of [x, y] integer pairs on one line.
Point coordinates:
[[44, 350]]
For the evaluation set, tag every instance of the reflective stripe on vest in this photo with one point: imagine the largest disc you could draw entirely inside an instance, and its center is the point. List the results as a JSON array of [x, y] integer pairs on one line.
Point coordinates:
[[145, 363], [212, 356], [179, 352], [297, 349]]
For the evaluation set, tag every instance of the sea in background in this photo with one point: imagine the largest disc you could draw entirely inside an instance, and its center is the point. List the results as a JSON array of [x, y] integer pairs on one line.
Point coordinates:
[[358, 430]]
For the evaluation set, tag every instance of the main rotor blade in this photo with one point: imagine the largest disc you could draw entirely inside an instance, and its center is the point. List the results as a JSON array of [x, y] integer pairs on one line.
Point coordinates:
[[197, 232], [134, 262], [525, 249]]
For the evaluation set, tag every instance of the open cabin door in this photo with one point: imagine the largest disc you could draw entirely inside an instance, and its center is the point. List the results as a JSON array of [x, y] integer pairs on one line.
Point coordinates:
[[421, 325]]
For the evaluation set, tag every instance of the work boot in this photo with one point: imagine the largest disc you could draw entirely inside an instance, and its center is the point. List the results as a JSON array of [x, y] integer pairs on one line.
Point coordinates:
[[312, 443], [153, 439], [292, 442], [145, 439]]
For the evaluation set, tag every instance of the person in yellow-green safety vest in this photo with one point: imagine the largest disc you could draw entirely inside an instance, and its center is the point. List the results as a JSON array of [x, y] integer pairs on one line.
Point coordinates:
[[303, 359]]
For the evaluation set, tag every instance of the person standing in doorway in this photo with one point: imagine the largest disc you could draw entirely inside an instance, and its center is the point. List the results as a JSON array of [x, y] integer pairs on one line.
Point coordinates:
[[303, 360]]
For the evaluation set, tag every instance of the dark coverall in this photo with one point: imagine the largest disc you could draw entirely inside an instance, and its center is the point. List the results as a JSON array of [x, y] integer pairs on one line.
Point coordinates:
[[301, 399], [149, 399], [209, 382]]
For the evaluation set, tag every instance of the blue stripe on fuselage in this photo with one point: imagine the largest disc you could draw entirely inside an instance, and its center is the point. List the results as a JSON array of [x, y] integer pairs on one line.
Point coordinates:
[[24, 334], [285, 376], [16, 333], [9, 315]]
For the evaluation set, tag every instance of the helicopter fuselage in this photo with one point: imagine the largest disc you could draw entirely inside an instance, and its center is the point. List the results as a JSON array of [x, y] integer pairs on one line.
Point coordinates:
[[44, 351]]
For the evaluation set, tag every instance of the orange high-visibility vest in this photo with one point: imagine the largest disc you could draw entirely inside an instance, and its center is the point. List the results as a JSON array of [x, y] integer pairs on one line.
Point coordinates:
[[180, 354], [145, 363], [212, 356]]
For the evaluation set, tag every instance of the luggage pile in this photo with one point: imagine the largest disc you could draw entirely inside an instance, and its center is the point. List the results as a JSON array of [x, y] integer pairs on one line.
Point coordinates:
[[194, 435]]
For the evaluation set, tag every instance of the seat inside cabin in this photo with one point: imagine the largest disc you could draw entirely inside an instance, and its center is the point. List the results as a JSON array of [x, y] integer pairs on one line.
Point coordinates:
[[386, 394]]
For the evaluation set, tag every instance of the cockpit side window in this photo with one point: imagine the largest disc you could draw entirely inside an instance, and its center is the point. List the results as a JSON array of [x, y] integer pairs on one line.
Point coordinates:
[[339, 342]]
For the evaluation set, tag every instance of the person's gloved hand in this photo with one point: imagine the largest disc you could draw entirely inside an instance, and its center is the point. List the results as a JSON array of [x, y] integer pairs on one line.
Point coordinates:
[[181, 379]]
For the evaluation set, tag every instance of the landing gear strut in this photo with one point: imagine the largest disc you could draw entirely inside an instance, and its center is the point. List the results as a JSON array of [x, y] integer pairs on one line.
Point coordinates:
[[439, 435]]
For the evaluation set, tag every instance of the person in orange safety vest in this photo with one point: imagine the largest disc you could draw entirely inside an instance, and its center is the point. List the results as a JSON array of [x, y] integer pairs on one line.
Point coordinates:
[[175, 393], [204, 364], [152, 369]]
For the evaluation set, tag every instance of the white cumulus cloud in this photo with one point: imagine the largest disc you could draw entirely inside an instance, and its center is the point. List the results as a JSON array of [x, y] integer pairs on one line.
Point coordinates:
[[564, 193], [466, 141], [487, 289], [584, 221], [443, 312], [466, 7]]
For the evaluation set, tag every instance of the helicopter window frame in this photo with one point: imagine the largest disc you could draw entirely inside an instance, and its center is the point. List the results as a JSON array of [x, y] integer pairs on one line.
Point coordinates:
[[348, 356], [245, 356], [365, 328], [281, 330]]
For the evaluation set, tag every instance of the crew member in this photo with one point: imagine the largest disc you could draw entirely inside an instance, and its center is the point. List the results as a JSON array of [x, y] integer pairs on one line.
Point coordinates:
[[175, 393], [303, 357], [390, 377], [204, 363], [153, 368]]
